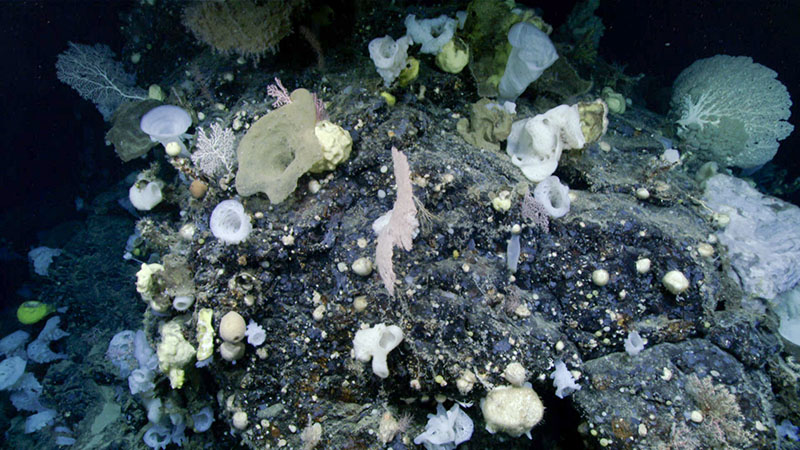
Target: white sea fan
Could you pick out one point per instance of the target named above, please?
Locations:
(216, 151)
(97, 76)
(732, 109)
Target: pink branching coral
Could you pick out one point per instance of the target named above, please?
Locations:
(399, 229)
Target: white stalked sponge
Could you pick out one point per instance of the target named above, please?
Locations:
(166, 124)
(375, 343)
(230, 223)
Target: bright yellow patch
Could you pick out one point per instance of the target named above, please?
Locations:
(32, 312)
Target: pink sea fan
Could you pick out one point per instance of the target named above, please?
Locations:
(280, 94)
(400, 225)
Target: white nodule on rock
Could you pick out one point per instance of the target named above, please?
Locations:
(675, 282)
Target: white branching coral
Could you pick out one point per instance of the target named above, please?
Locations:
(702, 112)
(216, 151)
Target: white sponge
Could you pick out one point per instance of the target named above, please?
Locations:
(375, 343)
(389, 56)
(446, 429)
(563, 380)
(514, 410)
(553, 196)
(433, 34)
(535, 144)
(144, 195)
(531, 53)
(230, 223)
(11, 370)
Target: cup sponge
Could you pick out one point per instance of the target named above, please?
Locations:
(230, 223)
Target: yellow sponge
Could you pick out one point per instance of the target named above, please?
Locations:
(336, 145)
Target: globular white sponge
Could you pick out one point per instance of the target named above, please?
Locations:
(157, 436)
(141, 380)
(514, 410)
(203, 419)
(120, 352)
(634, 343)
(375, 343)
(256, 335)
(230, 223)
(553, 196)
(535, 144)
